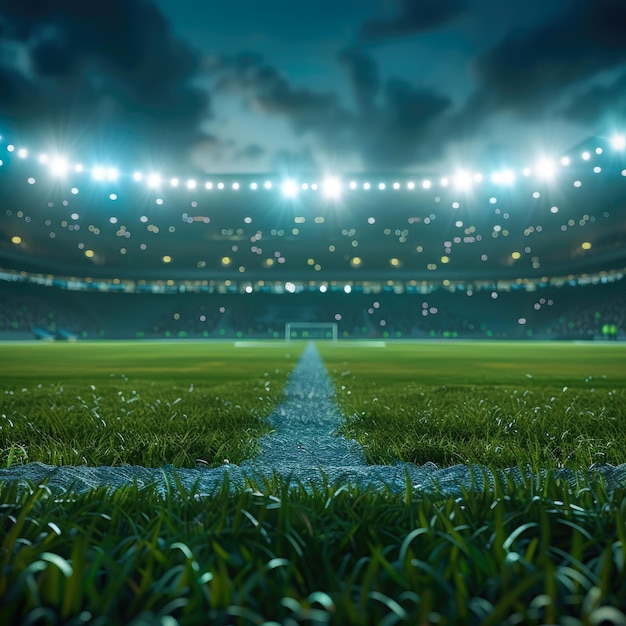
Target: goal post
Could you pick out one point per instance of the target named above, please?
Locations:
(311, 330)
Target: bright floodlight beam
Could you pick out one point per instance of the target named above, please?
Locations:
(289, 188)
(462, 180)
(154, 180)
(332, 187)
(59, 167)
(98, 173)
(503, 177)
(545, 169)
(618, 142)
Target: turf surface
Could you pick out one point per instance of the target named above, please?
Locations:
(150, 404)
(547, 405)
(536, 552)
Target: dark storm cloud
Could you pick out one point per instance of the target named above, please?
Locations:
(413, 17)
(110, 71)
(526, 72)
(407, 129)
(363, 73)
(600, 105)
(266, 90)
(270, 92)
(397, 132)
(251, 152)
(294, 163)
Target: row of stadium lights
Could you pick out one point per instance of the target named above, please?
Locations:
(331, 186)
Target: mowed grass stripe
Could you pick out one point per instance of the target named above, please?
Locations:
(482, 362)
(141, 403)
(547, 405)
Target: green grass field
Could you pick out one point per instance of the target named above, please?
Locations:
(499, 403)
(540, 552)
(147, 404)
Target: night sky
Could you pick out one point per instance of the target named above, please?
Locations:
(331, 86)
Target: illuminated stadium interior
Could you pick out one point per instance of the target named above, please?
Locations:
(100, 229)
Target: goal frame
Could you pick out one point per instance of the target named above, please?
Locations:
(302, 326)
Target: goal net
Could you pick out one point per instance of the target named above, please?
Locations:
(311, 330)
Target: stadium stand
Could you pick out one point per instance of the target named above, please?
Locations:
(404, 257)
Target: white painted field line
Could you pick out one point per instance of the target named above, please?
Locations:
(303, 447)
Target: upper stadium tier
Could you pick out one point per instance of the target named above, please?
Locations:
(565, 214)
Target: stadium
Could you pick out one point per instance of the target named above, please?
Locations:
(470, 327)
(91, 251)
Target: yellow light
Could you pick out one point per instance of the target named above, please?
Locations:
(445, 259)
(167, 259)
(356, 261)
(516, 255)
(586, 245)
(394, 262)
(89, 254)
(16, 240)
(225, 260)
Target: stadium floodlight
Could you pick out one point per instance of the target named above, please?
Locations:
(253, 186)
(353, 184)
(191, 184)
(267, 184)
(44, 159)
(98, 173)
(112, 174)
(618, 142)
(154, 180)
(462, 180)
(565, 161)
(331, 187)
(426, 184)
(137, 177)
(545, 169)
(58, 166)
(22, 153)
(503, 177)
(174, 182)
(289, 188)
